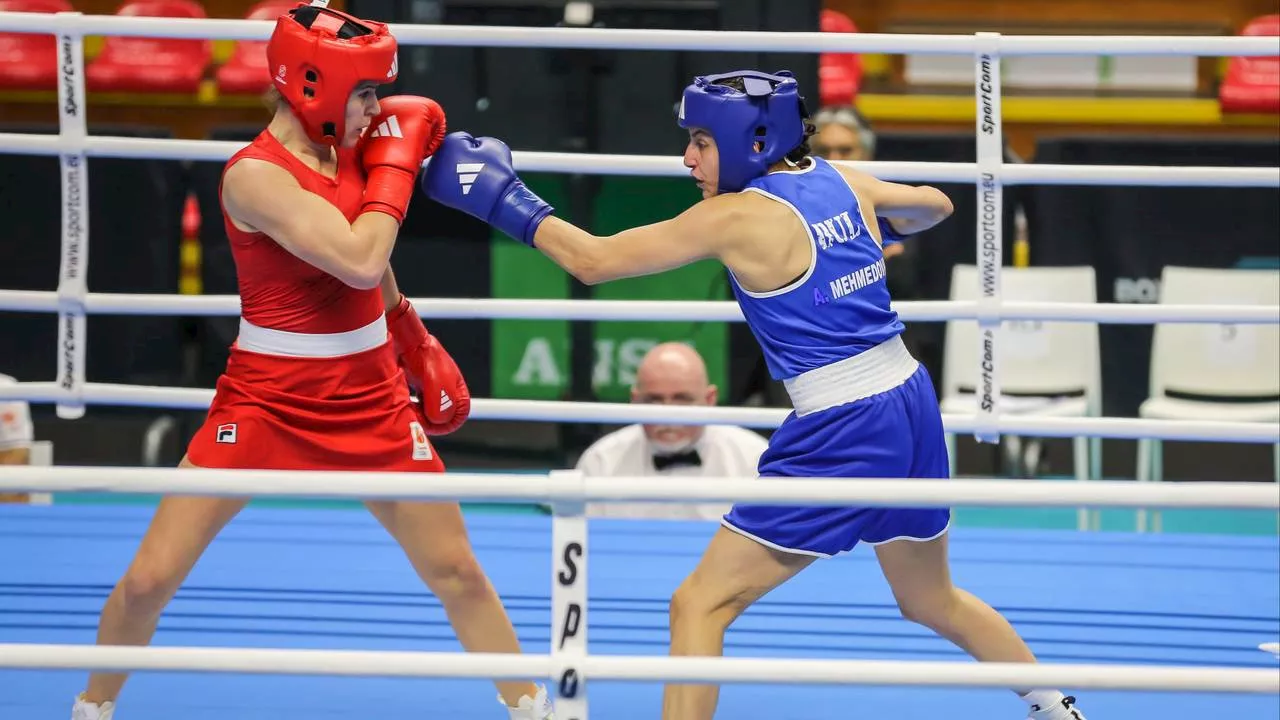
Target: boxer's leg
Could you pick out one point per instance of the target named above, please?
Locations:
(180, 530)
(434, 537)
(920, 577)
(735, 571)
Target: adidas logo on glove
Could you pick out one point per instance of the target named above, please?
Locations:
(388, 128)
(467, 174)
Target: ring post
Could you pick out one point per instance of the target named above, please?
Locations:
(569, 596)
(73, 268)
(990, 239)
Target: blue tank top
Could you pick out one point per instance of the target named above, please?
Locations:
(840, 307)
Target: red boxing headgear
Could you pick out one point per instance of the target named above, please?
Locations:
(318, 56)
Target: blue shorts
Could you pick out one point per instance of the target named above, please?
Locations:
(897, 433)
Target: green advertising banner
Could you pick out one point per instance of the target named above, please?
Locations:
(531, 359)
(627, 202)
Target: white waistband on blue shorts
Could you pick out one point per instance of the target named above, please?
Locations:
(880, 369)
(291, 344)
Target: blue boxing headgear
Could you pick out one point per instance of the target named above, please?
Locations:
(770, 112)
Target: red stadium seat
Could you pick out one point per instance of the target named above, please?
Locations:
(29, 62)
(246, 71)
(839, 74)
(1252, 84)
(151, 65)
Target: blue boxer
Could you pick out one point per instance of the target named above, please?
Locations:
(802, 241)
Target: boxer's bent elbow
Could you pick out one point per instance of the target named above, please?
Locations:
(945, 206)
(362, 278)
(364, 251)
(930, 207)
(940, 205)
(360, 267)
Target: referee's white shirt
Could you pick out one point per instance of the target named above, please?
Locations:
(725, 451)
(15, 421)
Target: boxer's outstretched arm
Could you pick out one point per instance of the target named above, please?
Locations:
(266, 198)
(703, 231)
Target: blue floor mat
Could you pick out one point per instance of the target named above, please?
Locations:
(333, 579)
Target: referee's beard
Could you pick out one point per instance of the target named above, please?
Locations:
(672, 439)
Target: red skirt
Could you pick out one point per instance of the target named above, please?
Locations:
(298, 413)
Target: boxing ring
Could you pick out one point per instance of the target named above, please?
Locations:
(314, 613)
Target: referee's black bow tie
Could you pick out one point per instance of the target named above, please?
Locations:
(689, 458)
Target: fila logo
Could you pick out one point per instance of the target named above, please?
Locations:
(395, 67)
(388, 128)
(226, 434)
(467, 174)
(446, 402)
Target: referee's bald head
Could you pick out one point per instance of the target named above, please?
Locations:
(672, 361)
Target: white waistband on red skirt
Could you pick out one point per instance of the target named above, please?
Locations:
(291, 344)
(871, 372)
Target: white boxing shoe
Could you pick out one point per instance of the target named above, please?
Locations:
(535, 708)
(85, 710)
(1064, 709)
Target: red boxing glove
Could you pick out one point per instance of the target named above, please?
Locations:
(442, 393)
(406, 131)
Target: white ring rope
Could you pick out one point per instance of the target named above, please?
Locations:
(667, 166)
(662, 310)
(624, 413)
(572, 486)
(725, 670)
(685, 40)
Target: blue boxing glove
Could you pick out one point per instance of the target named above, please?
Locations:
(475, 175)
(888, 235)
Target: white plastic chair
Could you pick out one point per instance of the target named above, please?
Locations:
(1211, 371)
(1047, 369)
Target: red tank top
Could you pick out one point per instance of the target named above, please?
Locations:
(280, 291)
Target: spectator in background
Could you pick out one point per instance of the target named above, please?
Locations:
(16, 437)
(672, 374)
(843, 134)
